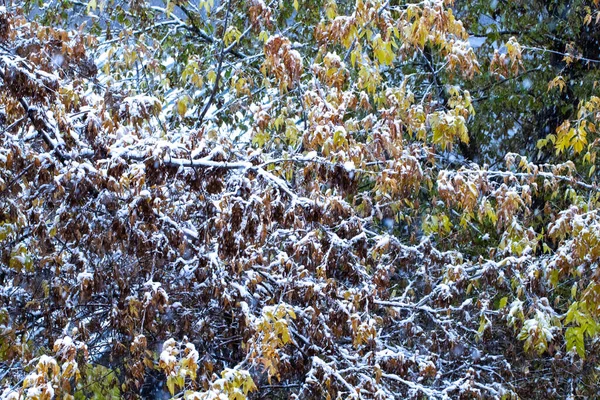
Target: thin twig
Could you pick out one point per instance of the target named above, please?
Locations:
(219, 67)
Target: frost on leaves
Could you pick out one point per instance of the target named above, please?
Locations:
(317, 235)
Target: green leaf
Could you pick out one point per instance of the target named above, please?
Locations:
(574, 337)
(502, 303)
(571, 313)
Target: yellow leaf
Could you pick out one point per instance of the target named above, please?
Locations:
(285, 336)
(182, 106)
(579, 139)
(557, 81)
(212, 76)
(237, 396)
(564, 136)
(232, 35)
(248, 385)
(331, 9)
(171, 385)
(291, 313)
(207, 5)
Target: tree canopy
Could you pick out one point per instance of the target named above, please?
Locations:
(307, 199)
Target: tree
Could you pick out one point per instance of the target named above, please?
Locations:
(554, 66)
(238, 200)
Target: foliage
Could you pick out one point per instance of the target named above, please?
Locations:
(241, 199)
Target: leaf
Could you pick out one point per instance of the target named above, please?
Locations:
(572, 313)
(261, 138)
(291, 313)
(211, 76)
(502, 303)
(182, 106)
(237, 395)
(353, 55)
(554, 274)
(207, 5)
(264, 36)
(579, 139)
(171, 384)
(484, 323)
(232, 35)
(557, 82)
(285, 336)
(564, 136)
(574, 337)
(248, 385)
(331, 9)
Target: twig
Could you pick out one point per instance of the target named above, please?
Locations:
(219, 67)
